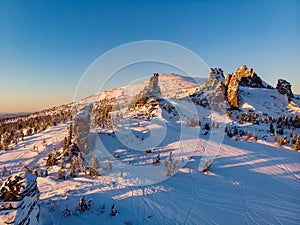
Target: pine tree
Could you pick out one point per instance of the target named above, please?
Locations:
(73, 167)
(255, 136)
(297, 145)
(237, 138)
(51, 160)
(94, 166)
(114, 211)
(80, 162)
(169, 164)
(248, 136)
(192, 122)
(84, 205)
(63, 164)
(65, 144)
(70, 134)
(175, 167)
(170, 108)
(206, 166)
(61, 174)
(280, 141)
(4, 171)
(272, 128)
(275, 136)
(67, 212)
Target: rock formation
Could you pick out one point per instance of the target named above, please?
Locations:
(216, 74)
(243, 76)
(248, 78)
(232, 85)
(19, 200)
(153, 88)
(285, 88)
(213, 96)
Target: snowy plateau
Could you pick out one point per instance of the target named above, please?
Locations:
(170, 150)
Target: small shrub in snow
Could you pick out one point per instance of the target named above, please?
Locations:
(61, 174)
(114, 211)
(248, 136)
(280, 141)
(51, 160)
(4, 171)
(169, 168)
(206, 166)
(255, 136)
(275, 136)
(67, 212)
(84, 205)
(102, 208)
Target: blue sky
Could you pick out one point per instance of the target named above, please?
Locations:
(45, 46)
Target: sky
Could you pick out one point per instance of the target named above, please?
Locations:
(46, 46)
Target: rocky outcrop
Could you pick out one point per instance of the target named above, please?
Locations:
(232, 90)
(152, 89)
(19, 200)
(285, 88)
(248, 78)
(216, 74)
(243, 76)
(212, 97)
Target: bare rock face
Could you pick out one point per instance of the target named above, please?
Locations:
(248, 78)
(285, 88)
(232, 84)
(243, 76)
(19, 200)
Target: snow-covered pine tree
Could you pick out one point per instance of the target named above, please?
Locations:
(80, 162)
(73, 167)
(67, 212)
(94, 166)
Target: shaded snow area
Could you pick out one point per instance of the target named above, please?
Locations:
(249, 181)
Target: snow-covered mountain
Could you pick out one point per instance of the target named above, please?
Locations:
(170, 150)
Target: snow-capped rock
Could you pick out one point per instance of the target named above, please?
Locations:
(152, 89)
(19, 200)
(216, 74)
(285, 88)
(212, 97)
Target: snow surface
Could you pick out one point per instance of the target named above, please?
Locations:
(249, 182)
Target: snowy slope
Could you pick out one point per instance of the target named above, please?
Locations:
(268, 101)
(249, 182)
